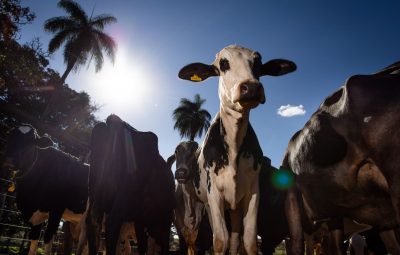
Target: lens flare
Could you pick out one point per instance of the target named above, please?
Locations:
(282, 179)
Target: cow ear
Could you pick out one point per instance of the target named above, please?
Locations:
(197, 72)
(171, 160)
(277, 67)
(44, 142)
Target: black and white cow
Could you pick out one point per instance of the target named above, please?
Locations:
(346, 160)
(50, 184)
(129, 182)
(230, 156)
(191, 219)
(271, 224)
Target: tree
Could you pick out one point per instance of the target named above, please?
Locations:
(13, 15)
(83, 36)
(25, 90)
(190, 119)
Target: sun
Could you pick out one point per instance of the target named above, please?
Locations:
(122, 86)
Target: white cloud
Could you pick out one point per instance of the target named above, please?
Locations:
(291, 110)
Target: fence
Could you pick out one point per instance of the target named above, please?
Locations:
(14, 233)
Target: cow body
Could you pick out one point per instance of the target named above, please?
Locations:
(191, 219)
(129, 182)
(344, 158)
(50, 185)
(230, 157)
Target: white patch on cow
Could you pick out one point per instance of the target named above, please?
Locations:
(291, 110)
(367, 119)
(38, 217)
(24, 129)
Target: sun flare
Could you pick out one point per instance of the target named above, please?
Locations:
(122, 86)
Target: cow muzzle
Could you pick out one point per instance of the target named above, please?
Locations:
(182, 175)
(250, 94)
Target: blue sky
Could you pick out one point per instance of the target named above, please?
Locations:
(328, 40)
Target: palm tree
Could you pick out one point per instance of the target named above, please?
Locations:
(83, 36)
(190, 119)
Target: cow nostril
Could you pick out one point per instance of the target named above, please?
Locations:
(244, 89)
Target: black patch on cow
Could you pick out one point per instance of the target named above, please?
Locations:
(196, 175)
(215, 147)
(224, 65)
(327, 147)
(256, 65)
(251, 147)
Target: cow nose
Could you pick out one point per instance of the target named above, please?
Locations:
(252, 91)
(181, 175)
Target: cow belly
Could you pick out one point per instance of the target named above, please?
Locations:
(71, 216)
(38, 217)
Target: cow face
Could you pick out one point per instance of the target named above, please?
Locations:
(186, 161)
(20, 140)
(239, 70)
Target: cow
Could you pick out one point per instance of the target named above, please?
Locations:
(50, 184)
(230, 157)
(191, 219)
(345, 160)
(128, 182)
(271, 224)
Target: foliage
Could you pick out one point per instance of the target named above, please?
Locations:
(12, 15)
(190, 119)
(83, 36)
(26, 83)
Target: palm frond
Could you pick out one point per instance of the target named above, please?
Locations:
(74, 10)
(57, 24)
(107, 44)
(97, 55)
(190, 119)
(101, 20)
(59, 39)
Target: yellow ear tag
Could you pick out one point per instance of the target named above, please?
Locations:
(195, 77)
(11, 187)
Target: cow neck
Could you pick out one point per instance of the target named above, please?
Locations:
(26, 164)
(235, 126)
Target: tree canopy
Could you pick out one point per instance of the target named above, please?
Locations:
(82, 36)
(190, 119)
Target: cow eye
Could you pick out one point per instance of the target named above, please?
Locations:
(224, 65)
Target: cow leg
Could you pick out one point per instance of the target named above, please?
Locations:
(159, 238)
(221, 236)
(113, 227)
(336, 233)
(67, 238)
(250, 221)
(115, 220)
(236, 225)
(82, 235)
(34, 236)
(51, 230)
(93, 224)
(389, 239)
(141, 238)
(293, 216)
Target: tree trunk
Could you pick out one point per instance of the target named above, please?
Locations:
(70, 66)
(57, 90)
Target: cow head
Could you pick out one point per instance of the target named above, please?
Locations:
(22, 142)
(239, 70)
(186, 161)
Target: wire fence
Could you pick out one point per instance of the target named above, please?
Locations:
(14, 233)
